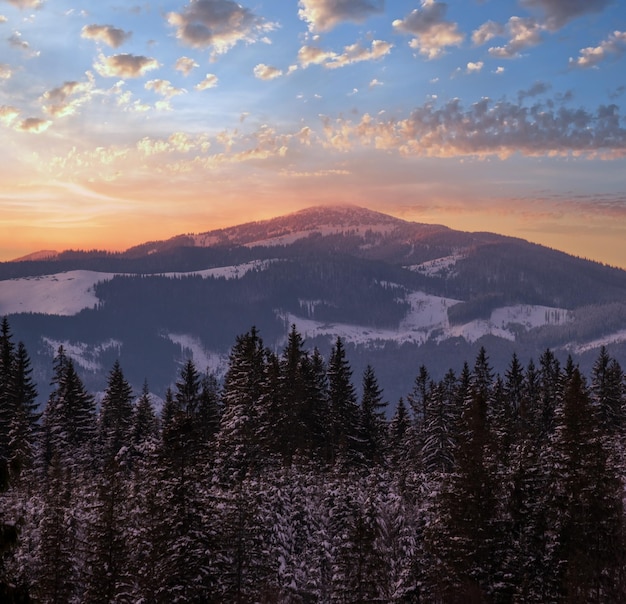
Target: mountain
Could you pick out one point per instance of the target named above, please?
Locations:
(399, 293)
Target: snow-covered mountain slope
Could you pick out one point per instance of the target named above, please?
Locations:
(427, 319)
(70, 292)
(398, 292)
(59, 294)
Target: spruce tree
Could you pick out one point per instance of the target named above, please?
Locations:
(144, 424)
(116, 413)
(607, 390)
(372, 423)
(344, 411)
(7, 403)
(24, 424)
(465, 540)
(586, 507)
(437, 452)
(237, 441)
(69, 419)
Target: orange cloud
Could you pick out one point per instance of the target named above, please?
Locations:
(125, 66)
(113, 36)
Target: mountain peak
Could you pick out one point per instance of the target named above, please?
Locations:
(320, 219)
(344, 214)
(40, 255)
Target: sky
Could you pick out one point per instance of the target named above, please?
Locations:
(127, 122)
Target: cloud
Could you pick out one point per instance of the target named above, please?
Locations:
(5, 71)
(15, 40)
(164, 88)
(265, 72)
(8, 114)
(559, 12)
(354, 53)
(108, 34)
(313, 55)
(209, 82)
(488, 128)
(34, 125)
(536, 89)
(26, 3)
(523, 33)
(324, 15)
(486, 32)
(3, 19)
(615, 44)
(432, 33)
(474, 67)
(66, 99)
(125, 66)
(185, 65)
(375, 83)
(217, 24)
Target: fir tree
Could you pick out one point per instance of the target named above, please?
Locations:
(69, 420)
(607, 390)
(344, 411)
(24, 424)
(587, 508)
(237, 440)
(437, 452)
(7, 403)
(372, 423)
(116, 413)
(144, 424)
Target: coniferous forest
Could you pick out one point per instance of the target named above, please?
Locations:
(289, 481)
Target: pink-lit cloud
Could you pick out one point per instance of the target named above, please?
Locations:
(66, 99)
(324, 15)
(354, 53)
(164, 88)
(218, 24)
(266, 72)
(210, 81)
(185, 65)
(559, 12)
(8, 114)
(523, 32)
(487, 128)
(125, 65)
(431, 32)
(22, 4)
(34, 125)
(592, 56)
(113, 36)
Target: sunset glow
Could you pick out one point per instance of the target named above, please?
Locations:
(123, 123)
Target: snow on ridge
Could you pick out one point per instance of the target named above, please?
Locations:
(235, 271)
(614, 338)
(70, 292)
(84, 355)
(437, 267)
(428, 319)
(293, 236)
(204, 360)
(60, 294)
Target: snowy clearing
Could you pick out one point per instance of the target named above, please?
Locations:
(70, 292)
(428, 319)
(84, 355)
(61, 294)
(615, 338)
(438, 267)
(204, 360)
(289, 238)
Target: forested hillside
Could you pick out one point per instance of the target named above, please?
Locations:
(280, 484)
